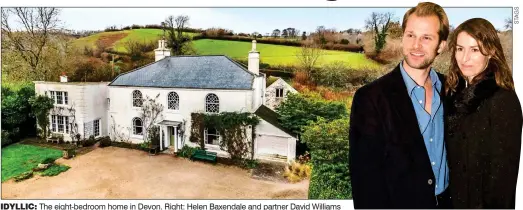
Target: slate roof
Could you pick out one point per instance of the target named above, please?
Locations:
(271, 117)
(201, 72)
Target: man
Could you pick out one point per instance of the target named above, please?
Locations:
(397, 150)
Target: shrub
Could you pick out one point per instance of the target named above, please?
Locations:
(344, 41)
(338, 75)
(127, 145)
(48, 160)
(6, 139)
(105, 141)
(186, 151)
(250, 164)
(329, 145)
(23, 176)
(55, 170)
(296, 172)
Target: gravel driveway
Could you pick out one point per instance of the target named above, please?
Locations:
(118, 173)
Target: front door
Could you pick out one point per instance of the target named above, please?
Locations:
(171, 135)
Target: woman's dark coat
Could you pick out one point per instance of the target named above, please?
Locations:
(483, 131)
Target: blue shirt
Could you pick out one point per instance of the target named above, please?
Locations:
(431, 126)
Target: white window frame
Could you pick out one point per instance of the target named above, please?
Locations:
(97, 128)
(175, 98)
(208, 103)
(134, 126)
(206, 134)
(59, 120)
(280, 89)
(136, 99)
(64, 95)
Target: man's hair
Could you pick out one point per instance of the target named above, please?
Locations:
(425, 9)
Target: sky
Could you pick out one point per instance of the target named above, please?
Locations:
(262, 20)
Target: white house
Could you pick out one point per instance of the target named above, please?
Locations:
(184, 85)
(80, 107)
(276, 93)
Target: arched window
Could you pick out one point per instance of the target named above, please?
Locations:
(137, 98)
(137, 126)
(212, 103)
(173, 101)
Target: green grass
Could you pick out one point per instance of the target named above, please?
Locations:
(278, 54)
(55, 170)
(90, 41)
(20, 158)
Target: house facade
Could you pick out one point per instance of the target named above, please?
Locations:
(276, 93)
(79, 107)
(184, 85)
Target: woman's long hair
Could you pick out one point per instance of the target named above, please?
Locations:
(489, 45)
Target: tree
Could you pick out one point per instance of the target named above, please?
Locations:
(308, 56)
(150, 111)
(259, 36)
(176, 39)
(328, 142)
(41, 106)
(276, 33)
(304, 36)
(30, 41)
(508, 23)
(379, 24)
(285, 33)
(298, 111)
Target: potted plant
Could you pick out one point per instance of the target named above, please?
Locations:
(69, 151)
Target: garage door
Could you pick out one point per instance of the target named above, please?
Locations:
(270, 145)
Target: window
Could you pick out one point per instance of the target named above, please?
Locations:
(212, 103)
(137, 98)
(137, 126)
(60, 124)
(96, 125)
(173, 101)
(60, 97)
(212, 136)
(279, 92)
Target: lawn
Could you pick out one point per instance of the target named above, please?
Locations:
(20, 158)
(278, 54)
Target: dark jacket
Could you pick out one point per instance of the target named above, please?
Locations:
(389, 163)
(483, 145)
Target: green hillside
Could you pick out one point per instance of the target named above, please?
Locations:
(270, 54)
(278, 54)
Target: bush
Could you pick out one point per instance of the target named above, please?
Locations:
(48, 160)
(344, 41)
(186, 151)
(250, 164)
(23, 176)
(338, 75)
(329, 145)
(105, 141)
(125, 145)
(296, 172)
(6, 139)
(55, 170)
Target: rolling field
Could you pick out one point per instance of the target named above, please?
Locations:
(270, 54)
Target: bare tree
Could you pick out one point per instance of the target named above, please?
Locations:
(30, 41)
(308, 56)
(177, 41)
(508, 23)
(150, 112)
(379, 24)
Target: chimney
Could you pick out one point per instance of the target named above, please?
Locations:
(63, 78)
(162, 51)
(254, 59)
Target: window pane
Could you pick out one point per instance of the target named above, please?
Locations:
(96, 127)
(66, 124)
(59, 99)
(66, 98)
(60, 124)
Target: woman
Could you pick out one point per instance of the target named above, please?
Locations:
(484, 120)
